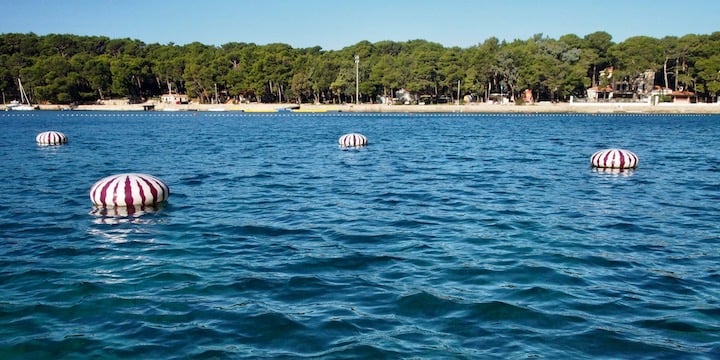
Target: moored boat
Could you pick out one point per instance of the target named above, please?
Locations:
(24, 103)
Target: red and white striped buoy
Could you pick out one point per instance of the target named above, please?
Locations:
(614, 159)
(129, 189)
(352, 140)
(51, 138)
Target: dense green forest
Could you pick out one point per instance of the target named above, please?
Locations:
(65, 69)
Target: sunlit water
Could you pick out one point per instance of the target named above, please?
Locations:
(449, 236)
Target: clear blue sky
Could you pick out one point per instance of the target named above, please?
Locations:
(336, 24)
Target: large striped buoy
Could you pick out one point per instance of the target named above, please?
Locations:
(352, 140)
(129, 189)
(51, 138)
(614, 159)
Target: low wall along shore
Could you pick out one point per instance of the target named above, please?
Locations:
(713, 108)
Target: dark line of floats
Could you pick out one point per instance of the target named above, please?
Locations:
(337, 114)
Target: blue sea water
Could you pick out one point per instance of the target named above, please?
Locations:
(448, 236)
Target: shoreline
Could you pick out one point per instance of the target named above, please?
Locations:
(588, 108)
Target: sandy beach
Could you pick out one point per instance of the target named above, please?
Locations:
(670, 108)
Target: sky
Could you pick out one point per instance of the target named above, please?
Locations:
(336, 24)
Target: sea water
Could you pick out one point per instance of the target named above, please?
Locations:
(448, 236)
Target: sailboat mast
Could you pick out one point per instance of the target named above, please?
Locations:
(23, 95)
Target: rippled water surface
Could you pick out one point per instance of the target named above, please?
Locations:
(449, 236)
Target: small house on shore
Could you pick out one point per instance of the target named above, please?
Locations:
(683, 97)
(174, 98)
(597, 93)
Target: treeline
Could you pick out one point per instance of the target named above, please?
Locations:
(64, 69)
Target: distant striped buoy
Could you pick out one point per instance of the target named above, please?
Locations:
(129, 189)
(352, 140)
(614, 159)
(51, 138)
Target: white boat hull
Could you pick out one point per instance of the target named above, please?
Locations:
(21, 108)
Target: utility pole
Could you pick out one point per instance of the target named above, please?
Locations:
(458, 92)
(357, 79)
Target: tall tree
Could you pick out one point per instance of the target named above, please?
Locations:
(636, 55)
(597, 45)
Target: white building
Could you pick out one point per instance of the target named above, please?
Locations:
(174, 98)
